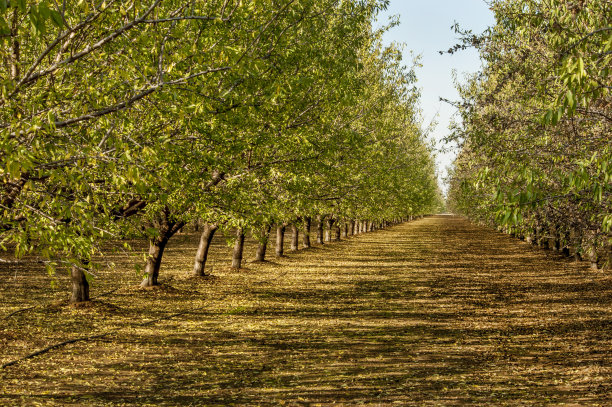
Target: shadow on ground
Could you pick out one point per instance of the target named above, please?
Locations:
(434, 312)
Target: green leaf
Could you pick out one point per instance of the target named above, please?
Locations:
(56, 17)
(571, 100)
(4, 28)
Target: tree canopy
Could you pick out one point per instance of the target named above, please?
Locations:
(137, 117)
(535, 129)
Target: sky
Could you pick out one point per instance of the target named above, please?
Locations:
(425, 29)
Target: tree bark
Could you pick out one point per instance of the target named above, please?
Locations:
(280, 240)
(590, 248)
(202, 253)
(295, 237)
(574, 244)
(156, 252)
(238, 249)
(337, 233)
(538, 236)
(592, 256)
(263, 244)
(80, 286)
(319, 229)
(344, 230)
(166, 228)
(328, 231)
(552, 238)
(306, 233)
(351, 230)
(15, 57)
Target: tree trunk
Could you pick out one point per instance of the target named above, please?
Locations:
(592, 256)
(319, 230)
(574, 244)
(280, 240)
(344, 230)
(238, 249)
(337, 233)
(80, 286)
(538, 236)
(590, 248)
(202, 253)
(328, 231)
(351, 230)
(552, 238)
(166, 228)
(306, 233)
(295, 238)
(156, 252)
(263, 244)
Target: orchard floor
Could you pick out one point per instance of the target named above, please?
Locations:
(437, 312)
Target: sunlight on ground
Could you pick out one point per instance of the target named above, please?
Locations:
(434, 312)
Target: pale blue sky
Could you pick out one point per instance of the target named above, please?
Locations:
(425, 28)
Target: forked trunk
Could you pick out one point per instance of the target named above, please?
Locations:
(166, 228)
(263, 244)
(306, 233)
(280, 240)
(238, 249)
(202, 253)
(156, 252)
(295, 238)
(80, 286)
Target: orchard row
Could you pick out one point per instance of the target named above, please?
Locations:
(536, 132)
(123, 119)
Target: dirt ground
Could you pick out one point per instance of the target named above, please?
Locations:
(437, 312)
